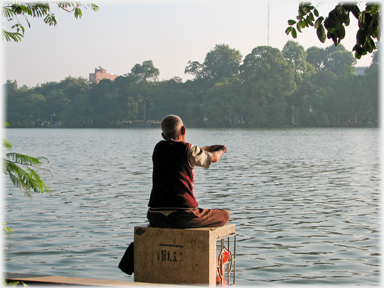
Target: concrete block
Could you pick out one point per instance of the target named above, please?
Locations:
(176, 256)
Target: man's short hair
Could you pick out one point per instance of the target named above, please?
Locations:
(171, 126)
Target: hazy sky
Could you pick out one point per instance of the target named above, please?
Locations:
(168, 32)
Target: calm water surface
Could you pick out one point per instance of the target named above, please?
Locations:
(305, 202)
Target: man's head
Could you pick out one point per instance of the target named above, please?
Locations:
(173, 128)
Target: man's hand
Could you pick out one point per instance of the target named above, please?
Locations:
(216, 150)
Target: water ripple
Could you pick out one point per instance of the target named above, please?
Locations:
(305, 202)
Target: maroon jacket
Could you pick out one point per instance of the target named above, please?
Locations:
(173, 177)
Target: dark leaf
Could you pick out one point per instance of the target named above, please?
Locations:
(288, 30)
(291, 22)
(334, 39)
(370, 44)
(310, 17)
(294, 33)
(356, 11)
(318, 22)
(360, 37)
(340, 33)
(298, 27)
(321, 33)
(347, 20)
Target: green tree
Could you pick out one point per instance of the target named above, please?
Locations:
(144, 74)
(74, 87)
(102, 97)
(220, 64)
(14, 103)
(338, 18)
(372, 92)
(316, 57)
(196, 89)
(341, 62)
(221, 104)
(25, 107)
(11, 11)
(334, 58)
(79, 112)
(57, 102)
(172, 97)
(268, 79)
(296, 56)
(126, 97)
(35, 106)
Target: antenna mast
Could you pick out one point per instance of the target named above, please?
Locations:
(268, 26)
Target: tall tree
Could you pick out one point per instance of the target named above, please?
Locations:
(341, 62)
(143, 74)
(296, 56)
(172, 97)
(316, 57)
(268, 79)
(102, 96)
(222, 104)
(220, 64)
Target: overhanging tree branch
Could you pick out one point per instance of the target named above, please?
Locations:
(36, 10)
(333, 26)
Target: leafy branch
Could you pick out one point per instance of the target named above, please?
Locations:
(11, 11)
(18, 168)
(335, 23)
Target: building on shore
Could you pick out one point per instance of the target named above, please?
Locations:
(100, 74)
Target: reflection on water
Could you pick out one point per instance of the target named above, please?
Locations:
(305, 202)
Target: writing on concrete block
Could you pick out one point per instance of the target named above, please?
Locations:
(170, 253)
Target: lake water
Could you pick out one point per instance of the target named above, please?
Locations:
(306, 202)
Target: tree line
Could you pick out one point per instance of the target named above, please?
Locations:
(316, 87)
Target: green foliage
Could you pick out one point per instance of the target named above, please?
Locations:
(268, 79)
(220, 64)
(18, 168)
(337, 20)
(146, 71)
(36, 10)
(221, 104)
(333, 58)
(270, 88)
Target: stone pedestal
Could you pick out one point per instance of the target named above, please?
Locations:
(175, 256)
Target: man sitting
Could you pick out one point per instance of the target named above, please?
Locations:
(172, 203)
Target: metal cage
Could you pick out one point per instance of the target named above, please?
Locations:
(226, 260)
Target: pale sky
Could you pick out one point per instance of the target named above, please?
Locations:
(168, 32)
